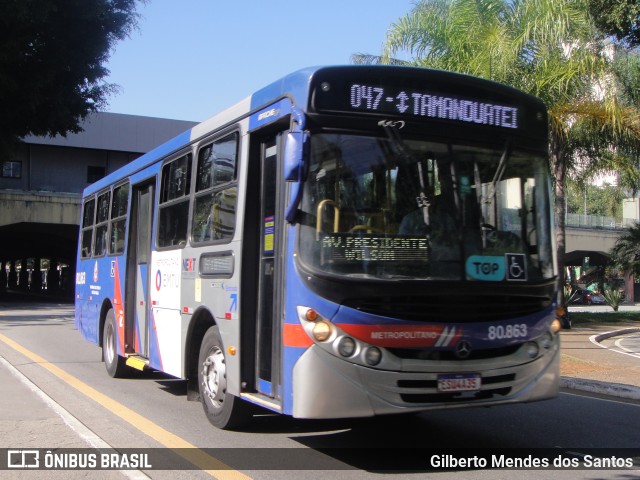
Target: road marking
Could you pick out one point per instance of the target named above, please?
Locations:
(634, 352)
(589, 394)
(181, 447)
(78, 427)
(594, 339)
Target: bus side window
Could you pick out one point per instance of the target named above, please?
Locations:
(214, 213)
(88, 214)
(102, 217)
(119, 206)
(174, 202)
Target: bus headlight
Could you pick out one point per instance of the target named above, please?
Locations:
(372, 355)
(321, 331)
(334, 340)
(346, 346)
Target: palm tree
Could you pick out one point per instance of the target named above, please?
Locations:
(544, 47)
(626, 252)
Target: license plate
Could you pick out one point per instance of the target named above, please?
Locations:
(468, 382)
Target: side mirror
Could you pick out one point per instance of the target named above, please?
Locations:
(294, 147)
(294, 155)
(294, 158)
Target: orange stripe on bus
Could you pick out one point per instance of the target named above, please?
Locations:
(295, 336)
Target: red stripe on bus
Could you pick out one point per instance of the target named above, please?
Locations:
(405, 335)
(295, 336)
(119, 310)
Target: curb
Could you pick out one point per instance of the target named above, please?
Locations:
(614, 333)
(604, 388)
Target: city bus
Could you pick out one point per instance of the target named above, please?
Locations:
(348, 241)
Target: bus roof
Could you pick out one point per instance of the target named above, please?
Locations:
(294, 86)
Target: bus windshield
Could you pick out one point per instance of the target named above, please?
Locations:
(387, 208)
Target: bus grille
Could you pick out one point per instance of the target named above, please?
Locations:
(449, 355)
(453, 397)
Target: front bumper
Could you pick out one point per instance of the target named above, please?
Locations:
(326, 386)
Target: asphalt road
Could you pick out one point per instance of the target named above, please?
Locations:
(150, 410)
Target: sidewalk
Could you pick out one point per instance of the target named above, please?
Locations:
(30, 421)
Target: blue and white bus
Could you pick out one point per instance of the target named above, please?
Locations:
(348, 241)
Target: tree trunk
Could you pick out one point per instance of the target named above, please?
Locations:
(559, 167)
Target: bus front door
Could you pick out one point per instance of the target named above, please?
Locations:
(270, 276)
(138, 259)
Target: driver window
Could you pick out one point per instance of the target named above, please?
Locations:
(214, 213)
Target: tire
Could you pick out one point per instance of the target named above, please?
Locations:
(114, 363)
(223, 410)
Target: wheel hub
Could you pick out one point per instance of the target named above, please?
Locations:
(109, 344)
(214, 377)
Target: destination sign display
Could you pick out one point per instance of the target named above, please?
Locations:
(402, 100)
(427, 104)
(344, 248)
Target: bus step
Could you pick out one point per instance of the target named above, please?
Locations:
(139, 363)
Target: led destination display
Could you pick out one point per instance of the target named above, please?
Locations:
(430, 96)
(427, 104)
(342, 248)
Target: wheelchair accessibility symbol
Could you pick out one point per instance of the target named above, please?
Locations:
(516, 267)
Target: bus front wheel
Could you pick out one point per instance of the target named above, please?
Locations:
(114, 363)
(223, 410)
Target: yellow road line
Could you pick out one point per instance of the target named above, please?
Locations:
(183, 448)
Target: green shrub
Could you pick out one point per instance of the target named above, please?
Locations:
(613, 297)
(570, 294)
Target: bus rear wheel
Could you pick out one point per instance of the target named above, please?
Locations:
(114, 363)
(223, 410)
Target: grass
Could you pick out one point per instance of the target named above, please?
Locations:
(608, 317)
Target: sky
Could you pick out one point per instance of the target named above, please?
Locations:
(190, 59)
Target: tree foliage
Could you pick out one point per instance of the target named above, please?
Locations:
(626, 252)
(52, 62)
(619, 19)
(585, 198)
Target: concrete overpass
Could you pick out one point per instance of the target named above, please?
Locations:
(594, 237)
(593, 234)
(39, 226)
(591, 239)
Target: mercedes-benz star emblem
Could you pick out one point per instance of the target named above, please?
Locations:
(463, 349)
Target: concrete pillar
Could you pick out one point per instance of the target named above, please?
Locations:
(24, 275)
(3, 275)
(13, 274)
(36, 276)
(53, 277)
